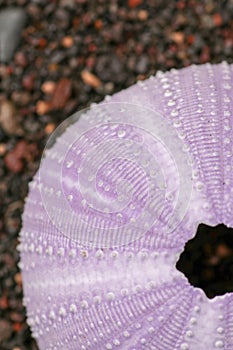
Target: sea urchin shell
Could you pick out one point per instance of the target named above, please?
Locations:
(116, 198)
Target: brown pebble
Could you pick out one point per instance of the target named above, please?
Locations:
(42, 43)
(5, 330)
(61, 94)
(90, 62)
(73, 62)
(43, 107)
(49, 128)
(142, 15)
(53, 67)
(16, 317)
(109, 87)
(48, 87)
(25, 150)
(3, 302)
(134, 3)
(20, 59)
(3, 71)
(67, 41)
(90, 79)
(28, 82)
(20, 148)
(13, 163)
(217, 18)
(21, 2)
(17, 326)
(21, 98)
(76, 22)
(7, 257)
(38, 63)
(18, 278)
(177, 37)
(32, 152)
(99, 24)
(14, 160)
(2, 149)
(205, 54)
(9, 118)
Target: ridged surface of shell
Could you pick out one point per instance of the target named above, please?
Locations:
(108, 214)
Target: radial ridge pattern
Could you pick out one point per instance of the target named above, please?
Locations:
(109, 212)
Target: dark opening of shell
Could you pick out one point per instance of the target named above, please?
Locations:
(207, 260)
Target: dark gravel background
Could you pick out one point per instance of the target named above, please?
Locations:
(72, 53)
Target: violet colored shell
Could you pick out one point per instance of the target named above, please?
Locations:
(111, 208)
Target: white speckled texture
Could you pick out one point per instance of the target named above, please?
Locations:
(108, 214)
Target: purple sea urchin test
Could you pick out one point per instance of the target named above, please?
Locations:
(118, 194)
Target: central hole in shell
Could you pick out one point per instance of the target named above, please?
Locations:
(207, 260)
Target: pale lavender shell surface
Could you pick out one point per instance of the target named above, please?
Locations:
(108, 214)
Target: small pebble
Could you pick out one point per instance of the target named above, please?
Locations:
(5, 330)
(90, 79)
(20, 59)
(3, 302)
(9, 118)
(67, 3)
(142, 64)
(134, 3)
(14, 159)
(110, 68)
(43, 107)
(18, 278)
(142, 15)
(67, 41)
(99, 24)
(49, 128)
(28, 82)
(48, 87)
(217, 18)
(21, 98)
(177, 37)
(61, 93)
(12, 21)
(2, 149)
(13, 162)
